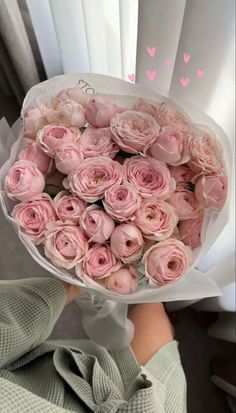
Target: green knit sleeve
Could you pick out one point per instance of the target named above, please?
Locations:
(29, 309)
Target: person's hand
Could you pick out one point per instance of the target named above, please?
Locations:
(72, 291)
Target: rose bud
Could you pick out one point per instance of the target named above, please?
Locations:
(99, 262)
(190, 232)
(181, 173)
(66, 113)
(169, 116)
(34, 120)
(23, 181)
(68, 207)
(33, 153)
(127, 242)
(185, 203)
(97, 225)
(67, 157)
(142, 105)
(167, 261)
(151, 178)
(54, 183)
(134, 131)
(123, 281)
(99, 111)
(34, 215)
(211, 191)
(73, 93)
(65, 244)
(51, 137)
(121, 202)
(97, 142)
(156, 219)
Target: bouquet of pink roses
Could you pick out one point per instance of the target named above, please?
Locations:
(117, 195)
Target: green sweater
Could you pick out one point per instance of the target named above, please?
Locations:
(38, 376)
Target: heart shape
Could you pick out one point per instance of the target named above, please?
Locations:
(167, 62)
(184, 81)
(151, 51)
(200, 73)
(186, 57)
(151, 74)
(131, 77)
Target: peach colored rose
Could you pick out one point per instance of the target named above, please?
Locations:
(33, 153)
(181, 173)
(99, 111)
(121, 201)
(156, 219)
(134, 131)
(97, 142)
(67, 157)
(34, 120)
(68, 207)
(151, 178)
(51, 137)
(66, 113)
(97, 225)
(167, 261)
(142, 105)
(167, 115)
(211, 191)
(23, 181)
(190, 231)
(34, 215)
(123, 281)
(65, 244)
(99, 262)
(127, 242)
(185, 203)
(73, 93)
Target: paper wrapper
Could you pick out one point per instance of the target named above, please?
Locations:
(104, 309)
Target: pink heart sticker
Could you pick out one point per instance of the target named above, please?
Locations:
(200, 73)
(167, 62)
(151, 51)
(151, 74)
(186, 57)
(131, 77)
(184, 81)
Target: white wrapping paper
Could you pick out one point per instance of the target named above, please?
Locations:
(105, 312)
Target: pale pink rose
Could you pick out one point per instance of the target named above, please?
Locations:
(142, 105)
(34, 215)
(23, 181)
(211, 191)
(73, 93)
(169, 146)
(181, 173)
(99, 111)
(127, 242)
(51, 137)
(66, 113)
(99, 262)
(190, 231)
(156, 219)
(97, 142)
(185, 203)
(33, 153)
(34, 120)
(68, 207)
(121, 201)
(151, 178)
(123, 281)
(205, 153)
(167, 115)
(93, 177)
(54, 183)
(167, 261)
(97, 225)
(67, 157)
(65, 244)
(134, 131)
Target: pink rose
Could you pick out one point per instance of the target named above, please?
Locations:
(121, 202)
(33, 153)
(205, 153)
(181, 173)
(51, 137)
(151, 178)
(93, 177)
(34, 215)
(73, 93)
(185, 203)
(99, 262)
(54, 183)
(66, 113)
(169, 146)
(95, 142)
(134, 131)
(23, 181)
(211, 191)
(156, 219)
(142, 105)
(65, 244)
(99, 111)
(170, 116)
(68, 207)
(127, 242)
(34, 120)
(190, 232)
(123, 281)
(96, 224)
(166, 261)
(67, 157)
